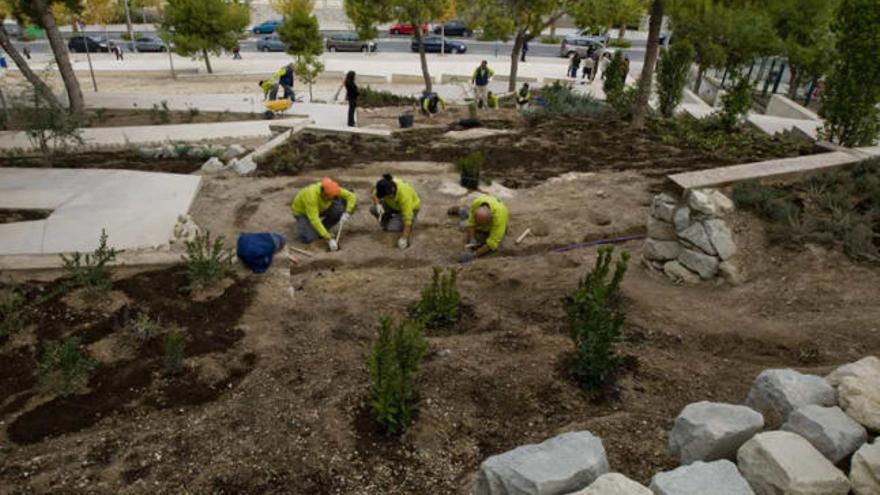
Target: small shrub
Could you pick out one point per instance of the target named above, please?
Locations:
(207, 261)
(173, 350)
(193, 114)
(561, 101)
(393, 363)
(142, 329)
(595, 322)
(371, 98)
(624, 101)
(672, 72)
(92, 271)
(615, 76)
(550, 40)
(441, 303)
(735, 104)
(100, 114)
(11, 320)
(471, 164)
(64, 368)
(472, 112)
(619, 43)
(50, 127)
(160, 114)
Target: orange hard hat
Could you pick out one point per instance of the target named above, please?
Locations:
(330, 187)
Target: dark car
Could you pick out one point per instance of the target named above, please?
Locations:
(454, 28)
(146, 43)
(433, 44)
(79, 43)
(267, 27)
(349, 42)
(271, 43)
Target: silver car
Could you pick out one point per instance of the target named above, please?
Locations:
(349, 42)
(148, 43)
(271, 43)
(582, 45)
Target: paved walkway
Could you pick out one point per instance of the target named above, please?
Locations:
(137, 209)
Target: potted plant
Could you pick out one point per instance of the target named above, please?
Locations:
(472, 120)
(469, 167)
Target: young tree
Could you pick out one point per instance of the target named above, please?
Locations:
(804, 28)
(8, 9)
(301, 32)
(200, 27)
(703, 25)
(672, 71)
(852, 89)
(647, 78)
(602, 15)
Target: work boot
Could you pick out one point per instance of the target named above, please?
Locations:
(453, 211)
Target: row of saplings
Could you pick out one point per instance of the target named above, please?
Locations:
(64, 367)
(594, 318)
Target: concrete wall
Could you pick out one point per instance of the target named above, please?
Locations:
(780, 106)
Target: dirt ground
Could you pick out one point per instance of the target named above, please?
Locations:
(123, 118)
(294, 417)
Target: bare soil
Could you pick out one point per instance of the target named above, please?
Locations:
(13, 215)
(126, 159)
(18, 120)
(280, 404)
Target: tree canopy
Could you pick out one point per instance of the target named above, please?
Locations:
(200, 27)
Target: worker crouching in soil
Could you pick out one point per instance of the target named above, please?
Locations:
(431, 103)
(319, 207)
(486, 227)
(396, 205)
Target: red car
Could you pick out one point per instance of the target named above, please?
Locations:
(406, 28)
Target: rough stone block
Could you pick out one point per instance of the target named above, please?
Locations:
(865, 367)
(860, 398)
(701, 478)
(679, 274)
(681, 218)
(781, 462)
(697, 235)
(701, 202)
(708, 431)
(864, 473)
(213, 164)
(730, 272)
(614, 484)
(706, 266)
(233, 151)
(777, 392)
(660, 230)
(723, 204)
(559, 465)
(661, 250)
(663, 207)
(832, 432)
(721, 238)
(244, 166)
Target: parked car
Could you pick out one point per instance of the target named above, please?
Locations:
(349, 42)
(454, 28)
(147, 43)
(12, 29)
(433, 44)
(580, 44)
(271, 43)
(401, 28)
(95, 44)
(267, 27)
(587, 33)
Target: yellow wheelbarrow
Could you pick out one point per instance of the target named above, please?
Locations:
(276, 108)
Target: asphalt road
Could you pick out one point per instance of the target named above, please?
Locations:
(401, 44)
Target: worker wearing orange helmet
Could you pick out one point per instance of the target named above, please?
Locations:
(320, 206)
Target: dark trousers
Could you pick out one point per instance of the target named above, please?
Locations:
(352, 107)
(288, 91)
(573, 71)
(522, 57)
(329, 217)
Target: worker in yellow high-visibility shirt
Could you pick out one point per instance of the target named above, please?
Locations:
(486, 226)
(319, 207)
(396, 204)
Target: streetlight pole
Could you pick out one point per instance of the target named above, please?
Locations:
(130, 29)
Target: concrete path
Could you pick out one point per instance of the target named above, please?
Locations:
(137, 209)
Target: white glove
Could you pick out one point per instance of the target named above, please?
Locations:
(380, 210)
(333, 245)
(346, 216)
(402, 243)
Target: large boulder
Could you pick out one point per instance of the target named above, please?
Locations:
(244, 166)
(864, 472)
(614, 484)
(661, 250)
(778, 392)
(708, 431)
(701, 478)
(832, 432)
(559, 465)
(720, 237)
(860, 398)
(706, 266)
(865, 367)
(213, 164)
(781, 462)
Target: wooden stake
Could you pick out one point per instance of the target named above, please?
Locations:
(301, 251)
(523, 235)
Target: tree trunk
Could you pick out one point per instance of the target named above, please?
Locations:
(794, 81)
(128, 24)
(71, 84)
(514, 60)
(553, 29)
(417, 33)
(622, 32)
(40, 88)
(647, 78)
(207, 60)
(699, 82)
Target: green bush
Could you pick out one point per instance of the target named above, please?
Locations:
(672, 71)
(550, 40)
(595, 322)
(735, 104)
(173, 350)
(615, 76)
(371, 98)
(142, 329)
(11, 320)
(471, 164)
(92, 271)
(160, 113)
(441, 303)
(51, 128)
(207, 261)
(64, 369)
(619, 43)
(561, 101)
(393, 363)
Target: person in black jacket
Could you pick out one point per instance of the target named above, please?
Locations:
(286, 81)
(351, 96)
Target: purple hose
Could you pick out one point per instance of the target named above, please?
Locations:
(613, 240)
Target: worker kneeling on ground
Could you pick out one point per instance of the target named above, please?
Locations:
(431, 103)
(319, 207)
(396, 204)
(486, 226)
(523, 96)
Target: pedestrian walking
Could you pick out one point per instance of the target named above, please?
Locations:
(26, 51)
(524, 51)
(236, 53)
(481, 78)
(574, 65)
(626, 64)
(351, 96)
(117, 50)
(595, 59)
(589, 65)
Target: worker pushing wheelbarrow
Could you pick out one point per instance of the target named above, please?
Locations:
(282, 79)
(276, 108)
